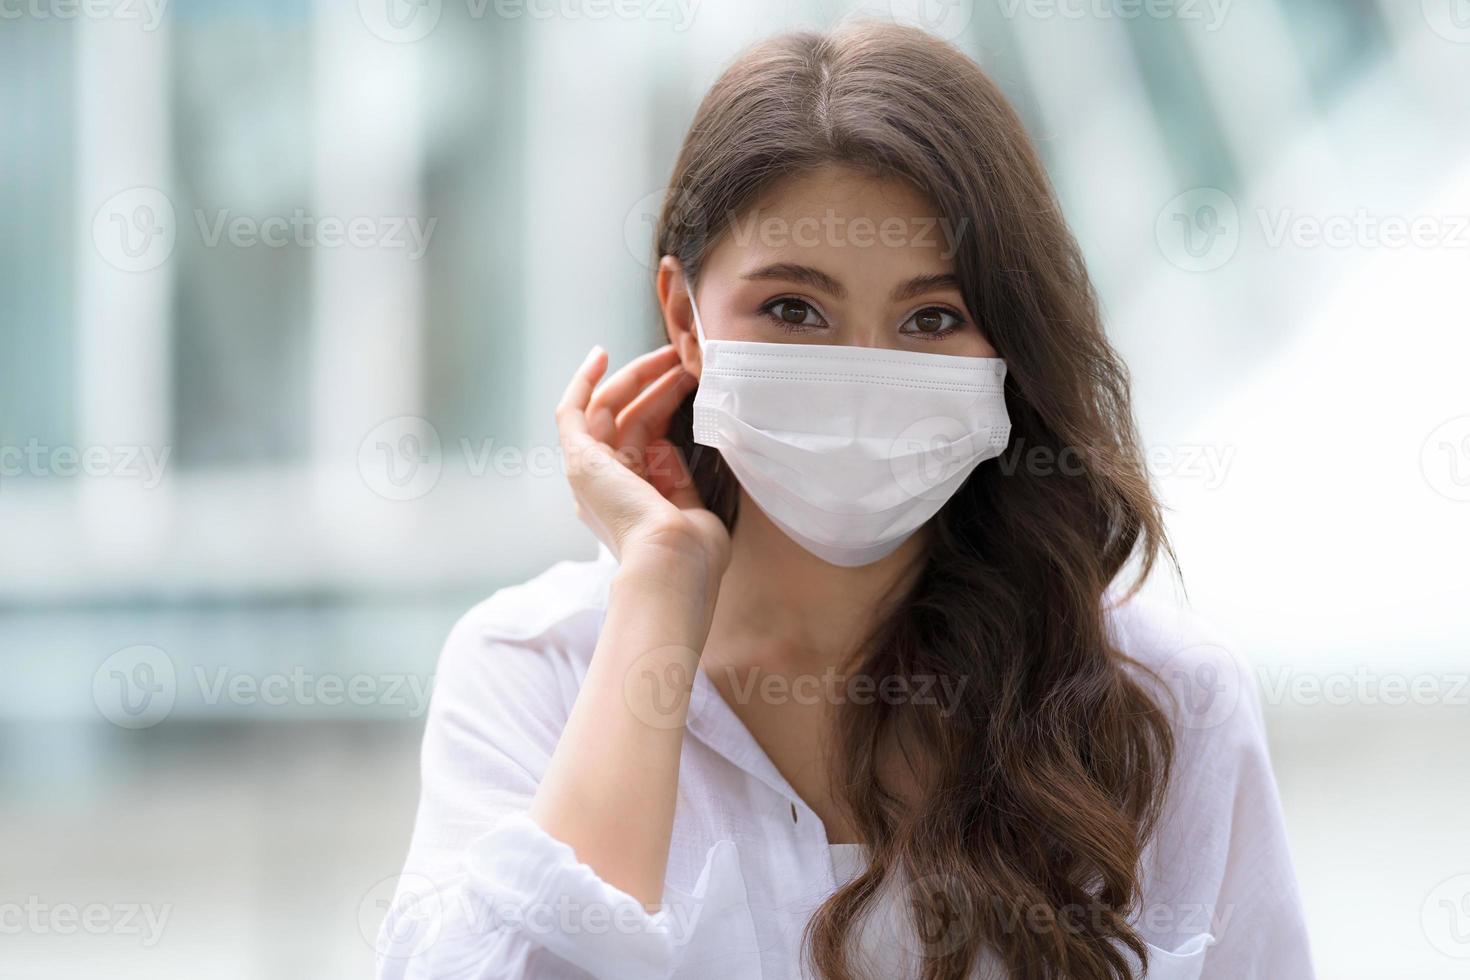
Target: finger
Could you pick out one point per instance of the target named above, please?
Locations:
(571, 410)
(624, 385)
(585, 460)
(648, 417)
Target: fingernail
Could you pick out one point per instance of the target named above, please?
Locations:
(596, 349)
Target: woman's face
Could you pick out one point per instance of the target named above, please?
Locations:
(839, 257)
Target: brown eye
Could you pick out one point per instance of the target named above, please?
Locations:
(929, 321)
(794, 311)
(932, 323)
(793, 315)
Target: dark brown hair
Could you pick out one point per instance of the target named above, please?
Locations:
(1039, 792)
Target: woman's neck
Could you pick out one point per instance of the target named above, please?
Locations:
(780, 605)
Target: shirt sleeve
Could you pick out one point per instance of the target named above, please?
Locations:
(485, 892)
(1218, 879)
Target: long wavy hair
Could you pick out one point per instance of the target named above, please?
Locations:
(1040, 786)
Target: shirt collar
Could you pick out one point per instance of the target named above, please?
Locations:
(714, 722)
(711, 719)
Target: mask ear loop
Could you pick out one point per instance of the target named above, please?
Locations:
(698, 326)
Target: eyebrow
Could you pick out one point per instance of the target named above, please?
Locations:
(817, 279)
(919, 285)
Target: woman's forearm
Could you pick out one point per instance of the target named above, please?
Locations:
(610, 788)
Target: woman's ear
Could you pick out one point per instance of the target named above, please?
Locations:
(678, 313)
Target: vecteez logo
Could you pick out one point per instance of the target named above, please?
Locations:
(1450, 19)
(947, 19)
(135, 230)
(400, 21)
(147, 13)
(1445, 459)
(135, 687)
(1199, 230)
(401, 459)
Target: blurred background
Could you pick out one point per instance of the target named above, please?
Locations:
(288, 290)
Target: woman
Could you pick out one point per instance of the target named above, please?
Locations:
(850, 690)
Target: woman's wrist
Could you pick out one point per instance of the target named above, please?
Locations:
(664, 601)
(683, 570)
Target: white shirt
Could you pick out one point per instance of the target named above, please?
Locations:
(485, 893)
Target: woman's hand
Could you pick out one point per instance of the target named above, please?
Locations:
(610, 789)
(630, 483)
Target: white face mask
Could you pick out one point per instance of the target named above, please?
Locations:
(849, 450)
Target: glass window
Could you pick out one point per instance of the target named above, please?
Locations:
(1188, 127)
(242, 145)
(473, 267)
(37, 235)
(1336, 40)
